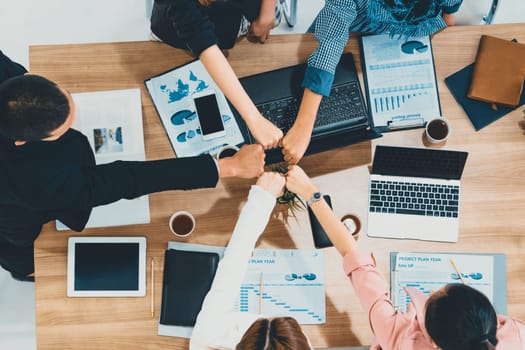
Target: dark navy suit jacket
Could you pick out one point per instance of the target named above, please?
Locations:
(48, 180)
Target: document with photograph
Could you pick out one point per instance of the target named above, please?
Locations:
(400, 81)
(193, 111)
(112, 123)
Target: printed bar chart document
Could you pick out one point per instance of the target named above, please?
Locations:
(428, 272)
(290, 282)
(400, 81)
(112, 123)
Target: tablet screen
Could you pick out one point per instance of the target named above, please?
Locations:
(107, 266)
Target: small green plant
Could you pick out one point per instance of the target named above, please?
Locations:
(290, 201)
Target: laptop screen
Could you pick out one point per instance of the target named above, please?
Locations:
(419, 162)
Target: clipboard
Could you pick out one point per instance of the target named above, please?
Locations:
(400, 81)
(499, 292)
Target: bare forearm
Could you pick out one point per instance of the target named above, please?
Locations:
(221, 72)
(334, 228)
(308, 109)
(267, 9)
(298, 182)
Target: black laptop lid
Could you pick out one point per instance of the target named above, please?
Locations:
(285, 82)
(419, 162)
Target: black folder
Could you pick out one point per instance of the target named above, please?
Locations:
(480, 113)
(188, 276)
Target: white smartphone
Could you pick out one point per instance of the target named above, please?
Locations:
(209, 115)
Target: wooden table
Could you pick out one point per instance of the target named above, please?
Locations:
(492, 208)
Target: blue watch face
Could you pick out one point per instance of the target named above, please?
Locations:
(315, 197)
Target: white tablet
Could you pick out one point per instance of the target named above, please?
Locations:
(106, 267)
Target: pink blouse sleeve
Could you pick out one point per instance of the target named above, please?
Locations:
(371, 288)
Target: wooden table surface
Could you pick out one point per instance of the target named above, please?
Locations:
(492, 209)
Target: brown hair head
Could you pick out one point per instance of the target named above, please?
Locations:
(281, 333)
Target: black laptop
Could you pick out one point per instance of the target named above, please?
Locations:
(343, 118)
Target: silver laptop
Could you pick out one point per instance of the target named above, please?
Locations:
(414, 193)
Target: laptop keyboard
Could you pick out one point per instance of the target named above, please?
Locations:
(343, 109)
(414, 198)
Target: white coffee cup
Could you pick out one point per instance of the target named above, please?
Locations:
(437, 130)
(226, 151)
(182, 223)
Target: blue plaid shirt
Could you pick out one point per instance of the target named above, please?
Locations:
(332, 28)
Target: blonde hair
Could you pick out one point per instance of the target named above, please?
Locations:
(206, 2)
(281, 333)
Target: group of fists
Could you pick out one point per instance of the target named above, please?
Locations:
(248, 162)
(295, 180)
(293, 144)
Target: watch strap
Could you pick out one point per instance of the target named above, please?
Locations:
(317, 196)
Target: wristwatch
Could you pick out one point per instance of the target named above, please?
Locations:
(317, 196)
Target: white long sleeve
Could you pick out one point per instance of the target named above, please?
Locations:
(217, 327)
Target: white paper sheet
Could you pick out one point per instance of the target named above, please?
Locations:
(429, 272)
(171, 93)
(112, 122)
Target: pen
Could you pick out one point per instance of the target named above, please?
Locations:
(453, 263)
(152, 288)
(260, 293)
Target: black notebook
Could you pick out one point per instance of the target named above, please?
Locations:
(187, 279)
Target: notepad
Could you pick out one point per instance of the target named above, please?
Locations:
(429, 272)
(499, 71)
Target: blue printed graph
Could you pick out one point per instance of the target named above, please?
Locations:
(285, 282)
(183, 88)
(276, 301)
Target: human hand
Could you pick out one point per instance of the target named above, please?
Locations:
(261, 26)
(247, 163)
(295, 143)
(272, 182)
(265, 132)
(298, 182)
(449, 18)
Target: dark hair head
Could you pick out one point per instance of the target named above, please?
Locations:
(31, 108)
(281, 333)
(461, 318)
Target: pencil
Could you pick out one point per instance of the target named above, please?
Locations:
(260, 293)
(152, 288)
(453, 263)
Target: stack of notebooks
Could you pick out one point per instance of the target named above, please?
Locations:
(493, 85)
